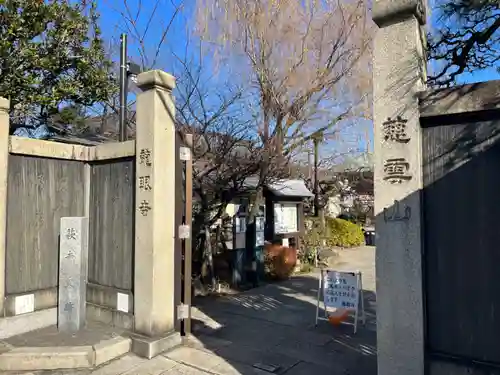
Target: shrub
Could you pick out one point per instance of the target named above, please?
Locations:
(337, 232)
(279, 261)
(344, 233)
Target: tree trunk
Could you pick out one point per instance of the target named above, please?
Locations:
(205, 271)
(204, 250)
(321, 215)
(198, 234)
(208, 259)
(255, 203)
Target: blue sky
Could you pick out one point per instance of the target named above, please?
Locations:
(113, 23)
(435, 21)
(479, 76)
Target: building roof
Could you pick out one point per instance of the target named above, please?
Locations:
(282, 188)
(290, 188)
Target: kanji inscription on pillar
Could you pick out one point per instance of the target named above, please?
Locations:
(145, 183)
(397, 170)
(73, 255)
(145, 157)
(68, 308)
(398, 212)
(71, 233)
(395, 130)
(144, 208)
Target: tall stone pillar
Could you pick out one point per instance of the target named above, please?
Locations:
(399, 68)
(4, 161)
(156, 275)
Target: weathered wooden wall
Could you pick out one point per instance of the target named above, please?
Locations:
(40, 192)
(111, 250)
(461, 257)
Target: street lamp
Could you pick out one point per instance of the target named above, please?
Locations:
(133, 70)
(127, 70)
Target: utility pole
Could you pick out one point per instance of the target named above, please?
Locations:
(309, 165)
(123, 88)
(316, 179)
(318, 137)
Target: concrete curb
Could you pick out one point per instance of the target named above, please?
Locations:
(63, 357)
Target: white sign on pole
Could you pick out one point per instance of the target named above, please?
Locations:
(341, 290)
(185, 153)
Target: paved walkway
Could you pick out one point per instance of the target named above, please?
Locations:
(271, 327)
(274, 325)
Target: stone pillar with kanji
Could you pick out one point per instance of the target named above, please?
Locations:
(73, 269)
(156, 266)
(399, 74)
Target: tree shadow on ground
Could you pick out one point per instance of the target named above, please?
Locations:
(273, 327)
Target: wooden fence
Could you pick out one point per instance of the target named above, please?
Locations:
(47, 181)
(134, 274)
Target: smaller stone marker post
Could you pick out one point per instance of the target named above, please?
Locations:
(73, 264)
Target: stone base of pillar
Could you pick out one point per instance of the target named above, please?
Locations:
(149, 347)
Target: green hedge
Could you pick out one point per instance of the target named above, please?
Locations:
(344, 233)
(338, 232)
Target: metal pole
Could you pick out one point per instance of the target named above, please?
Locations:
(316, 179)
(123, 88)
(309, 165)
(188, 252)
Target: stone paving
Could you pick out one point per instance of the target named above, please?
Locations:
(274, 324)
(269, 330)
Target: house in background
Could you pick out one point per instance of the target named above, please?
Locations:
(352, 182)
(357, 198)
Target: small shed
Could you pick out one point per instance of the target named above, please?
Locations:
(280, 220)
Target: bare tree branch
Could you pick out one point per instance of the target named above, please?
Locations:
(468, 39)
(298, 59)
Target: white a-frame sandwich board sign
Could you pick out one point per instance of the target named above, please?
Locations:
(341, 290)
